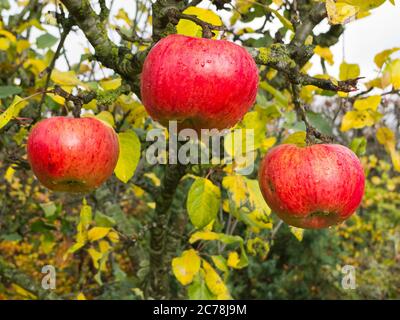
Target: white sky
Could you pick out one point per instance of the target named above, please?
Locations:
(363, 38)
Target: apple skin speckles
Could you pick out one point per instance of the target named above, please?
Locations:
(72, 154)
(201, 83)
(312, 187)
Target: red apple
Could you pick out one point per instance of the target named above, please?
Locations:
(72, 154)
(201, 83)
(312, 187)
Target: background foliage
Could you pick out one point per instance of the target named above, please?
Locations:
(195, 231)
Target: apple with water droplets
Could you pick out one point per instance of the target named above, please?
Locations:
(312, 187)
(200, 83)
(72, 154)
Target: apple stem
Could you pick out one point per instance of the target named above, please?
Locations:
(207, 27)
(312, 134)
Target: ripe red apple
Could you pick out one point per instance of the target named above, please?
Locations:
(201, 83)
(312, 187)
(72, 154)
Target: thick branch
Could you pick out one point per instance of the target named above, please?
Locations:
(159, 267)
(118, 58)
(278, 57)
(311, 15)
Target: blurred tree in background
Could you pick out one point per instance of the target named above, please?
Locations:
(134, 238)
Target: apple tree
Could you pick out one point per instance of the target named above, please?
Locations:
(183, 230)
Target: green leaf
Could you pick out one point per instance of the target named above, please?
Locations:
(46, 41)
(281, 18)
(319, 122)
(203, 202)
(129, 155)
(220, 263)
(7, 91)
(85, 217)
(280, 98)
(104, 221)
(359, 146)
(198, 290)
(297, 138)
(49, 209)
(12, 111)
(11, 237)
(4, 4)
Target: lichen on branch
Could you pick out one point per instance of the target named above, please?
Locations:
(277, 57)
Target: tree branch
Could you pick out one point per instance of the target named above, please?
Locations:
(159, 266)
(118, 58)
(277, 56)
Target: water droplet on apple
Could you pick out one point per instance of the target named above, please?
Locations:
(209, 61)
(202, 64)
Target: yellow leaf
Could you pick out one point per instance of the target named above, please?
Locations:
(8, 35)
(308, 41)
(96, 256)
(370, 103)
(123, 15)
(4, 44)
(203, 235)
(189, 28)
(22, 45)
(233, 260)
(268, 143)
(364, 5)
(186, 266)
(106, 117)
(92, 105)
(359, 119)
(156, 180)
(340, 13)
(129, 155)
(104, 246)
(385, 135)
(395, 155)
(297, 138)
(297, 232)
(31, 23)
(214, 282)
(36, 66)
(9, 174)
(236, 187)
(256, 199)
(13, 110)
(392, 73)
(383, 56)
(324, 53)
(111, 84)
(349, 71)
(23, 292)
(81, 296)
(97, 233)
(113, 236)
(66, 78)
